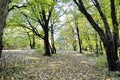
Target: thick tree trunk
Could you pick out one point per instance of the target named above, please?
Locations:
(112, 58)
(115, 26)
(3, 15)
(46, 43)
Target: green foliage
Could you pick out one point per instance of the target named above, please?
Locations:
(39, 5)
(14, 38)
(101, 61)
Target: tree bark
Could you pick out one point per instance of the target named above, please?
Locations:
(111, 56)
(1, 45)
(3, 15)
(46, 42)
(115, 26)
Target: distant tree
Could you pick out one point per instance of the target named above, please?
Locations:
(31, 37)
(72, 20)
(76, 18)
(110, 41)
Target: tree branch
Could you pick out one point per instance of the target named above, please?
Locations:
(91, 20)
(16, 6)
(33, 29)
(113, 13)
(106, 25)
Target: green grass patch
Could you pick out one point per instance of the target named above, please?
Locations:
(101, 61)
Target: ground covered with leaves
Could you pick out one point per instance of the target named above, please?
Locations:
(29, 65)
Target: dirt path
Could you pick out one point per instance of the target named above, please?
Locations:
(27, 65)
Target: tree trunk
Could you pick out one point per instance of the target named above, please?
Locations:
(90, 45)
(101, 49)
(31, 40)
(1, 45)
(32, 43)
(74, 45)
(96, 47)
(115, 26)
(3, 15)
(112, 58)
(79, 39)
(53, 49)
(46, 43)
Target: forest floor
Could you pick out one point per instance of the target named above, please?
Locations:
(65, 65)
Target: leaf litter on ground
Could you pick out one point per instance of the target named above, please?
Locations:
(61, 66)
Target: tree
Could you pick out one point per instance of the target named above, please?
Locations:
(3, 15)
(76, 23)
(53, 49)
(39, 15)
(31, 37)
(73, 19)
(67, 39)
(54, 19)
(110, 41)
